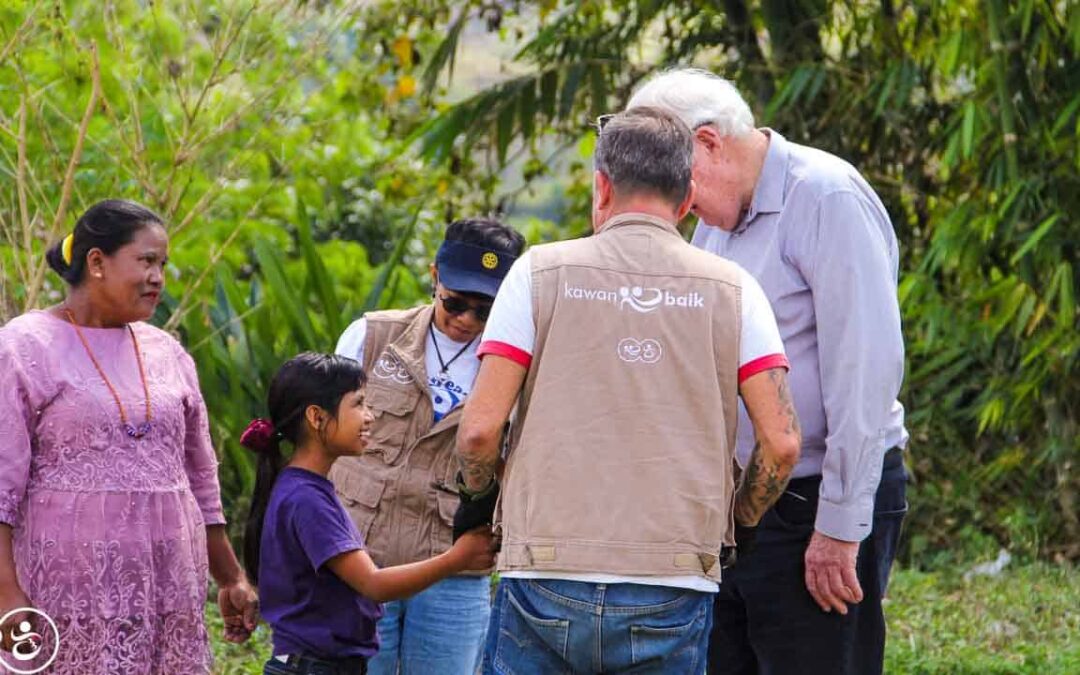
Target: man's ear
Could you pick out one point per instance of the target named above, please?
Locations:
(709, 138)
(604, 191)
(688, 203)
(434, 277)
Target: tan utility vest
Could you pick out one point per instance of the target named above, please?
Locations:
(400, 492)
(623, 446)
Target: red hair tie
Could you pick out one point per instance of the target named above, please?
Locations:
(260, 436)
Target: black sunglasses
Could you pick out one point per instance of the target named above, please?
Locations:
(455, 306)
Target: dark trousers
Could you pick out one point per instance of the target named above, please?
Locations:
(765, 620)
(313, 665)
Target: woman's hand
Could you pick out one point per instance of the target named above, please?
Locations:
(239, 610)
(474, 550)
(12, 597)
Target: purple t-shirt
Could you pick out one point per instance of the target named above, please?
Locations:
(311, 610)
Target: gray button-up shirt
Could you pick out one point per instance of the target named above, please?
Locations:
(819, 241)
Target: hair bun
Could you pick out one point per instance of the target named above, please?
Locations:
(260, 436)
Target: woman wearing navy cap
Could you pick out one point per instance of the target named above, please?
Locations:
(401, 491)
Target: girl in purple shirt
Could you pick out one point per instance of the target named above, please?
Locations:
(318, 589)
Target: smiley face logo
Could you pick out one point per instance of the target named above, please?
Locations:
(489, 260)
(632, 350)
(388, 367)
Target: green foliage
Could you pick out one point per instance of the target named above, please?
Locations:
(964, 116)
(270, 137)
(1023, 621)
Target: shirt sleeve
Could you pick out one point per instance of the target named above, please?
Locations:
(851, 266)
(351, 342)
(323, 528)
(510, 331)
(760, 346)
(200, 462)
(15, 429)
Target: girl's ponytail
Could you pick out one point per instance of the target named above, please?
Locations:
(261, 438)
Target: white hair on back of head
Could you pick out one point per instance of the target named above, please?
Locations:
(697, 97)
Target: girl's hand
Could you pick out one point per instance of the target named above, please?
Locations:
(474, 550)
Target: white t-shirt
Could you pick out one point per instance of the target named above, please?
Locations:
(511, 333)
(446, 391)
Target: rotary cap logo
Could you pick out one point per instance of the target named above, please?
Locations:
(489, 260)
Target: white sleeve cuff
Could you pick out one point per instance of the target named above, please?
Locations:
(852, 521)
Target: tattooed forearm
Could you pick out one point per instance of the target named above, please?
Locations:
(787, 406)
(762, 484)
(478, 471)
(774, 455)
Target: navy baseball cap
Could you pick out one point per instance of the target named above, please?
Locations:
(468, 268)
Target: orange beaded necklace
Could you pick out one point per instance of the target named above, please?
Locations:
(129, 428)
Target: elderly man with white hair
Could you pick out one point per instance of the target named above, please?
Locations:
(817, 238)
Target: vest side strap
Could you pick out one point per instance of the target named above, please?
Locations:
(607, 558)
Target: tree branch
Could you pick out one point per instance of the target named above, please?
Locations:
(69, 175)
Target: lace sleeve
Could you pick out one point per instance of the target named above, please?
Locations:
(15, 425)
(200, 462)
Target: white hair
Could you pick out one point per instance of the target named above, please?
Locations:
(697, 97)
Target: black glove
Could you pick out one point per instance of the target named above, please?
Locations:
(476, 509)
(745, 542)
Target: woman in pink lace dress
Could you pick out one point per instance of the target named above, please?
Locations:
(110, 513)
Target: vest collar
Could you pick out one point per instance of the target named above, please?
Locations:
(410, 346)
(635, 218)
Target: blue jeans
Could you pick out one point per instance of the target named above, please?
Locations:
(438, 630)
(548, 626)
(765, 619)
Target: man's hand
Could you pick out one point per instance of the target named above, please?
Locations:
(830, 572)
(239, 610)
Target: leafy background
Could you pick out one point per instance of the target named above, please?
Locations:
(308, 154)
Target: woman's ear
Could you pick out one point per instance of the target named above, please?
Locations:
(95, 263)
(434, 278)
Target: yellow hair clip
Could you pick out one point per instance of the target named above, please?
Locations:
(65, 248)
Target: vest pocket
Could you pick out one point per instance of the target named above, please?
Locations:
(393, 408)
(443, 529)
(360, 493)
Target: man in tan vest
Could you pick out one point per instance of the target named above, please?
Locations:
(619, 492)
(421, 363)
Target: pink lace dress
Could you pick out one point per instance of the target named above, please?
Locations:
(109, 531)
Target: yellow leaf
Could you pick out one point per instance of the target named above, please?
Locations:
(406, 86)
(402, 49)
(442, 186)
